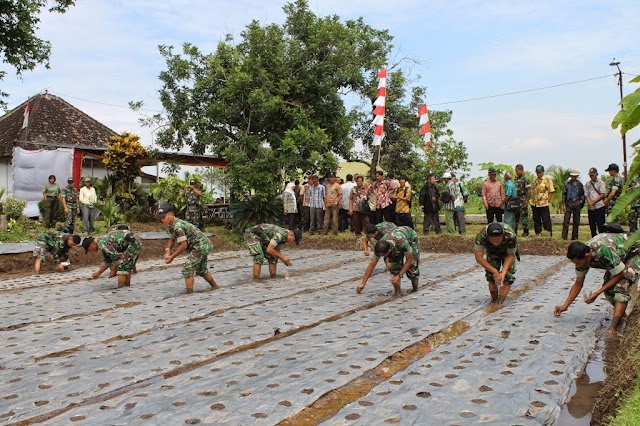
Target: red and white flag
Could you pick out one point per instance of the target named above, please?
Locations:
(425, 126)
(25, 121)
(379, 107)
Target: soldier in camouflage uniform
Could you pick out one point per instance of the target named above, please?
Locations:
(69, 198)
(634, 213)
(265, 241)
(193, 213)
(500, 243)
(615, 186)
(57, 244)
(523, 187)
(401, 250)
(374, 233)
(120, 249)
(191, 239)
(622, 265)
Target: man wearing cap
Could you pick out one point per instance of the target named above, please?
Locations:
(595, 193)
(120, 249)
(69, 198)
(635, 206)
(541, 193)
(58, 245)
(265, 241)
(188, 238)
(193, 213)
(523, 190)
(615, 186)
(572, 202)
(492, 197)
(500, 243)
(400, 249)
(622, 263)
(88, 199)
(451, 193)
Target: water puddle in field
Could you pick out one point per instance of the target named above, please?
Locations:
(584, 390)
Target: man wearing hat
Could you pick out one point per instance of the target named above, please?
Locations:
(493, 197)
(58, 245)
(615, 186)
(193, 213)
(595, 193)
(572, 202)
(88, 199)
(400, 248)
(500, 243)
(541, 192)
(120, 249)
(69, 198)
(451, 193)
(188, 238)
(635, 206)
(265, 241)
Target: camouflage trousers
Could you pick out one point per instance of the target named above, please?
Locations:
(194, 216)
(633, 218)
(40, 250)
(621, 292)
(196, 263)
(127, 259)
(398, 262)
(70, 219)
(257, 250)
(497, 262)
(522, 218)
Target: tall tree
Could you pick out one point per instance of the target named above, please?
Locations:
(19, 46)
(271, 105)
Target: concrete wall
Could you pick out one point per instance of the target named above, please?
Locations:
(6, 176)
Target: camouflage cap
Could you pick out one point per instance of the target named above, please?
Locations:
(539, 168)
(593, 171)
(495, 229)
(163, 209)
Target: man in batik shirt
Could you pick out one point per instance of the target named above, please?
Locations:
(500, 243)
(120, 249)
(265, 242)
(622, 265)
(57, 244)
(400, 250)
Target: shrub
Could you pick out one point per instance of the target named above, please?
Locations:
(21, 229)
(110, 211)
(13, 207)
(254, 210)
(140, 214)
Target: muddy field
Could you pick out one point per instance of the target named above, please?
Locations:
(303, 350)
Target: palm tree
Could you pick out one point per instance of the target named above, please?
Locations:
(559, 175)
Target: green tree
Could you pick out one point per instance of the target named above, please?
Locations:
(19, 45)
(124, 158)
(448, 154)
(499, 167)
(271, 104)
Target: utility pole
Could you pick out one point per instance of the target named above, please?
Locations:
(616, 64)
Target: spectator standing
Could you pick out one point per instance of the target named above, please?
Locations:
(392, 186)
(193, 213)
(346, 201)
(510, 195)
(359, 206)
(429, 196)
(306, 202)
(461, 195)
(523, 189)
(69, 199)
(383, 198)
(572, 203)
(50, 195)
(403, 203)
(88, 199)
(492, 196)
(615, 186)
(541, 193)
(635, 206)
(448, 198)
(316, 205)
(594, 191)
(332, 204)
(290, 206)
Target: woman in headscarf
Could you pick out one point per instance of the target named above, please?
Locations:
(290, 206)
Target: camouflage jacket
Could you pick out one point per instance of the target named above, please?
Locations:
(522, 186)
(182, 230)
(56, 243)
(509, 244)
(403, 241)
(635, 183)
(70, 196)
(270, 234)
(114, 243)
(608, 252)
(192, 199)
(615, 184)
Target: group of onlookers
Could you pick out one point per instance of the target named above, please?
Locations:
(73, 202)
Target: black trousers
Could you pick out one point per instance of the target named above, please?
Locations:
(541, 219)
(596, 220)
(343, 220)
(404, 219)
(306, 218)
(431, 218)
(384, 214)
(494, 213)
(572, 209)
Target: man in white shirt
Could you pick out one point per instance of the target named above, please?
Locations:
(595, 192)
(88, 199)
(344, 209)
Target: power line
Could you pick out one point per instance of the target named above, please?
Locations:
(99, 102)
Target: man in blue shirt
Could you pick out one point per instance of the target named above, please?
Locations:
(572, 203)
(317, 194)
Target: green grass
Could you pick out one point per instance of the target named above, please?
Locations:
(629, 413)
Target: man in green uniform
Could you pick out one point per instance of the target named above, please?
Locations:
(500, 243)
(374, 233)
(120, 249)
(265, 241)
(188, 238)
(523, 188)
(193, 213)
(615, 186)
(58, 245)
(69, 198)
(400, 249)
(622, 265)
(635, 206)
(50, 195)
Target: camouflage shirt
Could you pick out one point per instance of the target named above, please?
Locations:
(608, 252)
(403, 241)
(616, 184)
(635, 183)
(270, 234)
(70, 196)
(192, 199)
(114, 243)
(509, 244)
(181, 230)
(56, 243)
(522, 186)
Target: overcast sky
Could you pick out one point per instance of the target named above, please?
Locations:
(105, 52)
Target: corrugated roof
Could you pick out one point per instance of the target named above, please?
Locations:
(51, 120)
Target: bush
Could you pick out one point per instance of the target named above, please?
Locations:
(20, 230)
(140, 214)
(255, 210)
(13, 207)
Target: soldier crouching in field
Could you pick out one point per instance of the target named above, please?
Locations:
(120, 249)
(57, 244)
(500, 243)
(265, 241)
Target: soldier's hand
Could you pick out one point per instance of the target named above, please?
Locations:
(286, 261)
(366, 253)
(558, 310)
(66, 211)
(395, 280)
(59, 267)
(591, 298)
